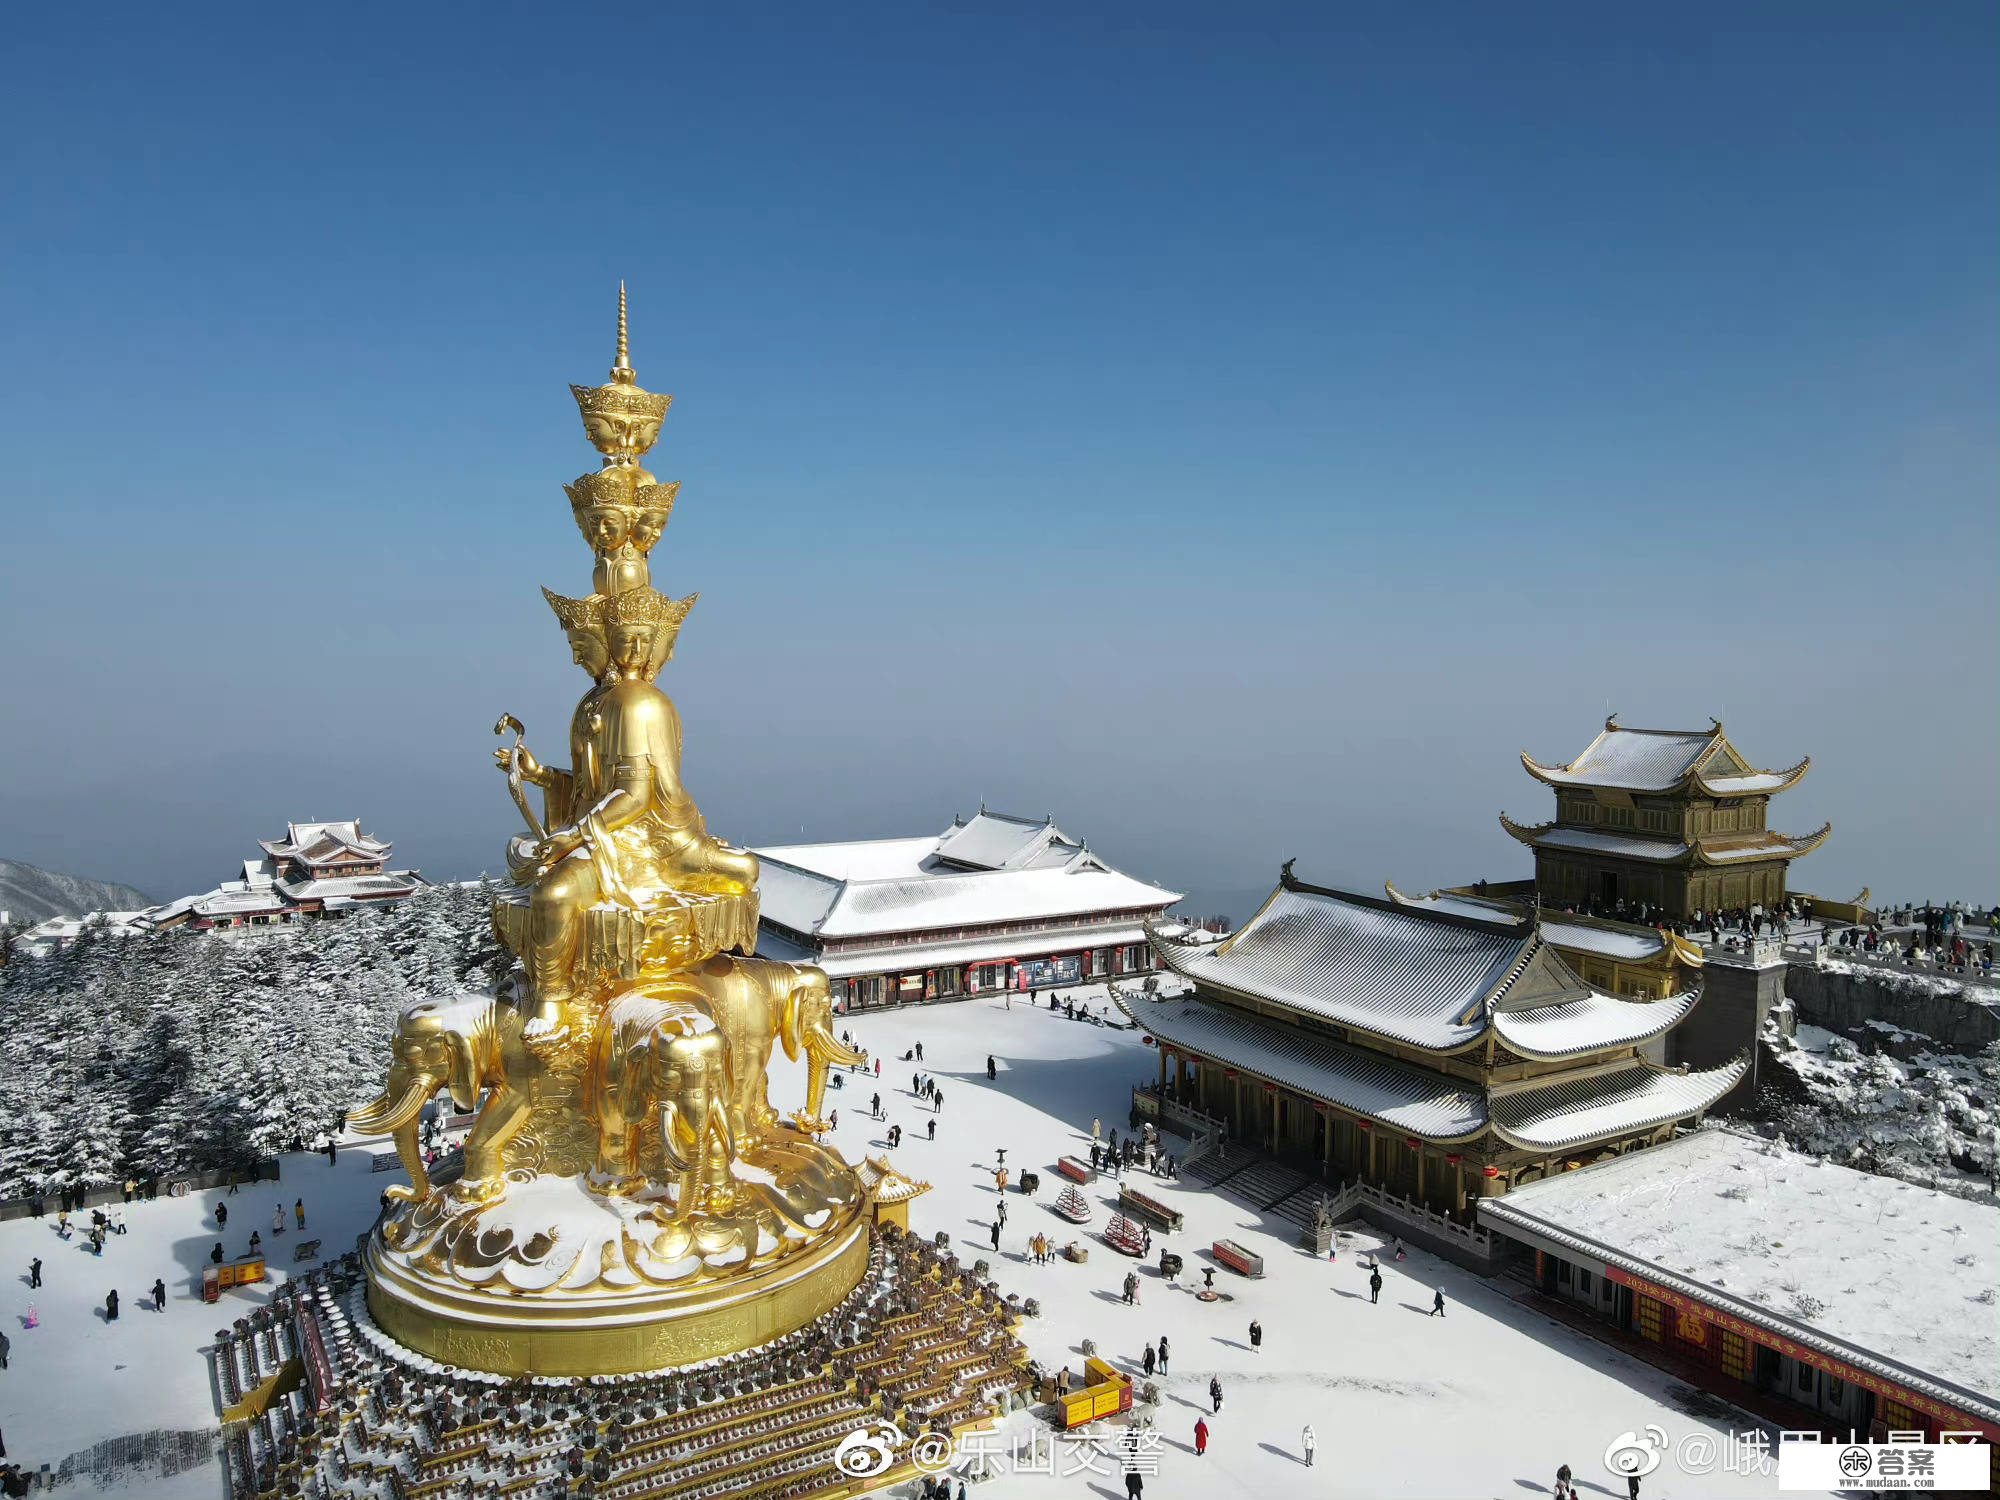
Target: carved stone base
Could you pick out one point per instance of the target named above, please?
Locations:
(619, 1332)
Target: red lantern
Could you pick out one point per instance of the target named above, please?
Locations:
(1489, 1171)
(1366, 1124)
(1229, 1072)
(1412, 1142)
(1320, 1105)
(1270, 1088)
(1149, 1042)
(1453, 1159)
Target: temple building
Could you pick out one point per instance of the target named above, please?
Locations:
(1665, 819)
(1441, 1055)
(315, 870)
(992, 903)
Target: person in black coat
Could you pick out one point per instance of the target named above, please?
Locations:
(111, 1306)
(1256, 1336)
(35, 1272)
(1149, 1361)
(159, 1295)
(222, 1216)
(215, 1255)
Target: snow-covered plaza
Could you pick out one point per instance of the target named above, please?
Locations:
(1486, 1401)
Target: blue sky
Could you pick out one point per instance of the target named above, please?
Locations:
(1238, 430)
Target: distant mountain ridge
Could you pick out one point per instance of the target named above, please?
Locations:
(34, 895)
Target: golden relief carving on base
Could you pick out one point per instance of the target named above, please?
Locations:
(625, 1153)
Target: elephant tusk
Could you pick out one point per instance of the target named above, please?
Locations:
(380, 1117)
(828, 1048)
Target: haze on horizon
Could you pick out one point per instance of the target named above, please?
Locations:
(1238, 432)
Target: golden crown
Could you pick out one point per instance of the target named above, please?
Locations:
(577, 614)
(611, 486)
(647, 607)
(656, 496)
(621, 397)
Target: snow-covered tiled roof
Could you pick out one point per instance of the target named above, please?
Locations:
(1868, 1269)
(1574, 1110)
(998, 841)
(1591, 841)
(347, 886)
(1638, 760)
(1660, 760)
(903, 885)
(1570, 1028)
(1416, 976)
(322, 840)
(1630, 945)
(1408, 1098)
(905, 958)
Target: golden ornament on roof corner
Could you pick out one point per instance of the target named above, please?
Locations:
(629, 1199)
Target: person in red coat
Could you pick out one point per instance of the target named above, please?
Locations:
(1200, 1436)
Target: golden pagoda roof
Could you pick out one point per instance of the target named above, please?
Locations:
(1665, 760)
(881, 1180)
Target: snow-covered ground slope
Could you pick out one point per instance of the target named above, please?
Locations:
(1484, 1402)
(1925, 1116)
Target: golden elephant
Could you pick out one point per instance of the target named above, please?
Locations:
(469, 1044)
(758, 1003)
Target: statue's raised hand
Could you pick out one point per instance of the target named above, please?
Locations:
(532, 770)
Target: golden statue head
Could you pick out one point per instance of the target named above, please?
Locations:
(583, 622)
(621, 420)
(640, 627)
(656, 508)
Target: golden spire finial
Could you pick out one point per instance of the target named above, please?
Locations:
(621, 371)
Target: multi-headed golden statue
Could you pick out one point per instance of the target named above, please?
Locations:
(628, 1197)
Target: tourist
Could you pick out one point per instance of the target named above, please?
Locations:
(920, 1051)
(833, 1120)
(875, 1106)
(1096, 1129)
(256, 1242)
(1215, 1394)
(35, 1272)
(1003, 1210)
(931, 1127)
(1062, 1382)
(5, 1345)
(1131, 1288)
(1135, 1484)
(1565, 1486)
(32, 1320)
(1374, 1284)
(878, 1067)
(111, 1306)
(1399, 1248)
(159, 1295)
(1163, 1354)
(277, 1218)
(1256, 1337)
(215, 1255)
(299, 1211)
(222, 1216)
(1437, 1304)
(991, 1071)
(1150, 1359)
(1201, 1431)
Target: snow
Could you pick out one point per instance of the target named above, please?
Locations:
(1879, 1265)
(1596, 1021)
(1483, 1403)
(1605, 941)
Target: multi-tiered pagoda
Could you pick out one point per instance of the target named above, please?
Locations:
(1669, 820)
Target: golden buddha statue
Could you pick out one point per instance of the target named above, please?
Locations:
(634, 1200)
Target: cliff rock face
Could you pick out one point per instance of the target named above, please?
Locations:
(34, 895)
(1845, 997)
